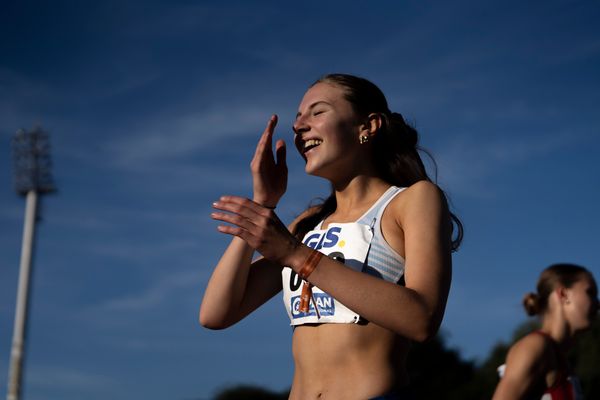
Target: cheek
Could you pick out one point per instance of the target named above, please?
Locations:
(584, 308)
(340, 134)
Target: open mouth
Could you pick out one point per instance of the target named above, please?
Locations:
(311, 144)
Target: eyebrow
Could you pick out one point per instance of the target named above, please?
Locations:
(313, 105)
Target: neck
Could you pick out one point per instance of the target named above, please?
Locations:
(559, 330)
(359, 190)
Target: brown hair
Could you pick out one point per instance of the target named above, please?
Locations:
(398, 160)
(565, 275)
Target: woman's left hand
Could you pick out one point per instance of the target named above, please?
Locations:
(256, 225)
(269, 171)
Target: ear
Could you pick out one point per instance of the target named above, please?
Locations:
(563, 294)
(372, 125)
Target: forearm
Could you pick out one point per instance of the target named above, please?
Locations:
(395, 307)
(227, 285)
(386, 304)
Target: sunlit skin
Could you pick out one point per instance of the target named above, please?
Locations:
(532, 363)
(335, 361)
(324, 115)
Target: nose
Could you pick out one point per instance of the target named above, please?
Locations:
(300, 125)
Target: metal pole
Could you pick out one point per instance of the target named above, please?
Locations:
(16, 356)
(31, 154)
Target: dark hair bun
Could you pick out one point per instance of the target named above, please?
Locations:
(531, 304)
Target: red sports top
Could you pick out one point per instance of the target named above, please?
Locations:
(566, 386)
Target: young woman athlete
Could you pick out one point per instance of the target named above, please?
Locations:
(536, 366)
(362, 274)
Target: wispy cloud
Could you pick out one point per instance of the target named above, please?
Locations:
(140, 252)
(182, 136)
(164, 288)
(467, 165)
(54, 377)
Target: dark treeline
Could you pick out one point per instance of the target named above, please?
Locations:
(438, 372)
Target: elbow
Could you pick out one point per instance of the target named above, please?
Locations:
(212, 325)
(425, 331)
(210, 321)
(426, 324)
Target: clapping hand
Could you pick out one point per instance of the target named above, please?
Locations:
(269, 174)
(254, 221)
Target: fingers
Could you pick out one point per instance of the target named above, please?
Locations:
(246, 215)
(266, 140)
(272, 121)
(267, 135)
(280, 150)
(241, 218)
(241, 206)
(233, 219)
(247, 218)
(236, 231)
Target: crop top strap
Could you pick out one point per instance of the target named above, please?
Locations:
(554, 343)
(374, 213)
(563, 365)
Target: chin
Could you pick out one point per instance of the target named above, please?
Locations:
(311, 169)
(321, 170)
(312, 172)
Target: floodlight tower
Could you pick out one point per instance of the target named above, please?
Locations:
(31, 157)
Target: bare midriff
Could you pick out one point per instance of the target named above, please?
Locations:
(347, 361)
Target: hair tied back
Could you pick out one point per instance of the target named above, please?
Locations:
(531, 304)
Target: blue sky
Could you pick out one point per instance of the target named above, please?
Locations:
(154, 108)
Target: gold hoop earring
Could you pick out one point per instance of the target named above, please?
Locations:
(363, 139)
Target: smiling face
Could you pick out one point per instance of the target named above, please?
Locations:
(326, 132)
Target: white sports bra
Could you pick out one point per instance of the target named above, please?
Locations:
(359, 245)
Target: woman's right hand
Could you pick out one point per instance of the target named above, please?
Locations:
(269, 174)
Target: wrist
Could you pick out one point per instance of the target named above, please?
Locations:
(265, 203)
(310, 264)
(304, 260)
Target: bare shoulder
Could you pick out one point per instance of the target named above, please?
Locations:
(422, 196)
(526, 366)
(530, 343)
(529, 352)
(424, 190)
